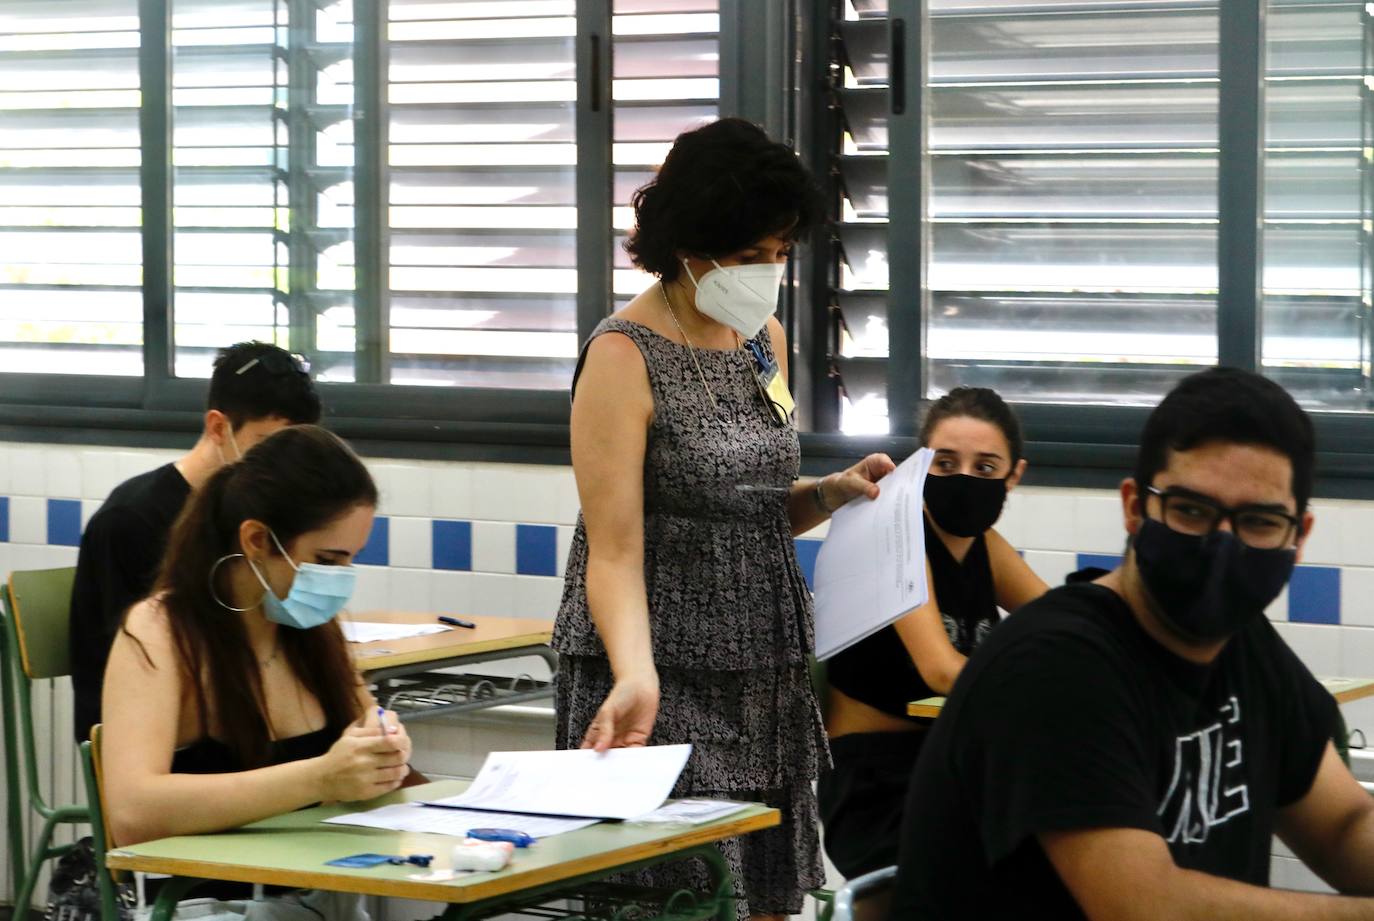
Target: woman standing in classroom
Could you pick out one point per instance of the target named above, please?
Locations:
(685, 616)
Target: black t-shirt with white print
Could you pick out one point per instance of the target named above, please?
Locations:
(1070, 716)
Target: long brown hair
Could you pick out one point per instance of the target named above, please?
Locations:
(296, 481)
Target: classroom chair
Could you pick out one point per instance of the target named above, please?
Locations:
(14, 807)
(37, 605)
(100, 836)
(1341, 738)
(864, 898)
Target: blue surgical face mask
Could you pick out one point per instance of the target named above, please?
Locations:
(317, 594)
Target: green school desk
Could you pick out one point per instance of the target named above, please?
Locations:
(405, 671)
(291, 850)
(1343, 689)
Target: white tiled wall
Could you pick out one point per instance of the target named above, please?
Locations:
(1327, 616)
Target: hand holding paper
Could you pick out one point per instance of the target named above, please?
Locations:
(619, 784)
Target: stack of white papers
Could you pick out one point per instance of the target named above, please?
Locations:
(421, 819)
(548, 793)
(361, 631)
(619, 784)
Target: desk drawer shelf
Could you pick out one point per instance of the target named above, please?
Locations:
(427, 695)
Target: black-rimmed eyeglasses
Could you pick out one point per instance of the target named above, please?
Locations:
(1258, 526)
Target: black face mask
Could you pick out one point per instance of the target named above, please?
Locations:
(964, 505)
(1207, 588)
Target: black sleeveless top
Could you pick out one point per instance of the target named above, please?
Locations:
(878, 671)
(209, 755)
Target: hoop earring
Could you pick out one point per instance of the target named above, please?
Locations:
(215, 595)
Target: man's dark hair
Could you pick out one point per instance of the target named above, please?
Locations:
(976, 403)
(722, 188)
(258, 380)
(1231, 406)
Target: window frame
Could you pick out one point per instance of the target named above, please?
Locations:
(1083, 445)
(1072, 445)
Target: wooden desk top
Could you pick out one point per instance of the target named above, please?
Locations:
(291, 850)
(1343, 689)
(929, 708)
(492, 634)
(1347, 689)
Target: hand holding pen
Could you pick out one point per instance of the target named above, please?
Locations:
(369, 759)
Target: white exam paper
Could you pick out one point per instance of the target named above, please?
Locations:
(872, 567)
(420, 819)
(362, 631)
(619, 784)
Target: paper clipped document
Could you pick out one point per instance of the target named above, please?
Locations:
(872, 566)
(362, 631)
(420, 819)
(622, 783)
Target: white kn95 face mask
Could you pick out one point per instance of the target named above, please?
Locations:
(742, 297)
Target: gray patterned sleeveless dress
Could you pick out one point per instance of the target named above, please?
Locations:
(730, 617)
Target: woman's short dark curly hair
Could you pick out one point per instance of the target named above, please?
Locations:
(722, 188)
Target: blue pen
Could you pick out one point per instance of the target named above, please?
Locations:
(381, 720)
(456, 622)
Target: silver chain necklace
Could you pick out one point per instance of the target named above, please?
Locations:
(690, 349)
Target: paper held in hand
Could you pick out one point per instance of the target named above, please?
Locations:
(619, 784)
(872, 567)
(548, 793)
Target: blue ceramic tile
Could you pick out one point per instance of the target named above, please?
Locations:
(64, 522)
(536, 550)
(807, 549)
(1314, 595)
(1106, 561)
(452, 544)
(4, 519)
(378, 549)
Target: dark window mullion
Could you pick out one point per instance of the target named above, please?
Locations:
(1240, 174)
(818, 132)
(595, 171)
(908, 182)
(303, 268)
(155, 181)
(372, 185)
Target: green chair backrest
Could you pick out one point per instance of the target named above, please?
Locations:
(101, 842)
(39, 602)
(37, 607)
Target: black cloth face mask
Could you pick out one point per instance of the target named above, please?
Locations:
(1208, 587)
(964, 505)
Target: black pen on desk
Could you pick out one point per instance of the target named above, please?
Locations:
(456, 622)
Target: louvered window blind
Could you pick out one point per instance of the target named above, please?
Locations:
(1073, 200)
(263, 160)
(483, 160)
(69, 188)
